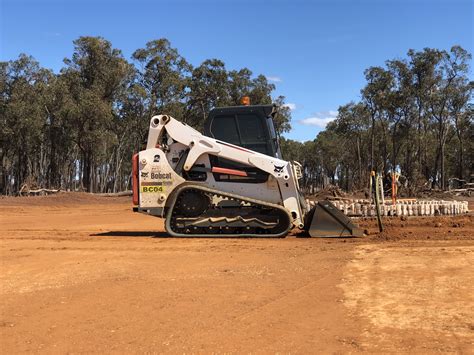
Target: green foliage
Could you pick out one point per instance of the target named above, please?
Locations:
(209, 88)
(95, 78)
(283, 116)
(415, 117)
(162, 74)
(79, 128)
(24, 88)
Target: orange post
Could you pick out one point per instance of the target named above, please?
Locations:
(394, 188)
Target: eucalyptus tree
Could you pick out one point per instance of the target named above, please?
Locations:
(423, 65)
(94, 76)
(261, 90)
(282, 119)
(240, 85)
(209, 88)
(374, 96)
(353, 125)
(23, 150)
(462, 112)
(452, 78)
(162, 75)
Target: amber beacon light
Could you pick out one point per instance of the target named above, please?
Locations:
(245, 101)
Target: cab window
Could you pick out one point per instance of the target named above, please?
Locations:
(225, 129)
(251, 129)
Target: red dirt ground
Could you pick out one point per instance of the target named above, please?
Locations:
(81, 273)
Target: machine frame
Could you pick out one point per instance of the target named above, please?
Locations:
(281, 188)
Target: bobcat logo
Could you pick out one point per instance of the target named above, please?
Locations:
(144, 174)
(278, 169)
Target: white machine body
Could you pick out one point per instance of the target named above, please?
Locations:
(157, 177)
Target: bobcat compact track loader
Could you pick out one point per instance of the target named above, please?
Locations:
(230, 182)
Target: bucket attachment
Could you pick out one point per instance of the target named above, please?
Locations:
(325, 220)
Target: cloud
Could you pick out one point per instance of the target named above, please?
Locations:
(291, 106)
(53, 34)
(275, 79)
(319, 119)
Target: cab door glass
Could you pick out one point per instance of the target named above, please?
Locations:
(251, 129)
(225, 129)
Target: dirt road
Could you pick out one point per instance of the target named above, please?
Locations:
(84, 274)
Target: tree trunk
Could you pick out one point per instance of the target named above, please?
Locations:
(461, 159)
(372, 142)
(359, 163)
(443, 178)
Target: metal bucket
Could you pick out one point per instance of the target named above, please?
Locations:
(326, 221)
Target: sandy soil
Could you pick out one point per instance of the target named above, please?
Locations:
(81, 273)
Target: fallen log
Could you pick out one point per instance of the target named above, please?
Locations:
(116, 194)
(39, 192)
(461, 190)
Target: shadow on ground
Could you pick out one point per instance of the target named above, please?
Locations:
(148, 234)
(154, 234)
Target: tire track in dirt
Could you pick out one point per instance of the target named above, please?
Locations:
(85, 274)
(417, 297)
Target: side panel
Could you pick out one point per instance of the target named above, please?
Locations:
(267, 191)
(156, 178)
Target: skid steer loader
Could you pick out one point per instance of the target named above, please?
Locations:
(229, 182)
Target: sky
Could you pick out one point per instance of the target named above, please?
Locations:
(315, 52)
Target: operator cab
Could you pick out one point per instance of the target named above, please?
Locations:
(250, 127)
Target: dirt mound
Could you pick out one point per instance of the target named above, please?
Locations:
(328, 192)
(420, 228)
(61, 199)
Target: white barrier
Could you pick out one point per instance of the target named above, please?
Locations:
(357, 207)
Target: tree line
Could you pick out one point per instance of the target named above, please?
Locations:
(415, 117)
(79, 128)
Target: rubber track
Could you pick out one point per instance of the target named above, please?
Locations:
(185, 186)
